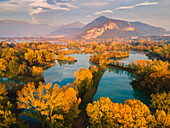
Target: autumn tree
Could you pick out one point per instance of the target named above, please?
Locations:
(7, 118)
(23, 68)
(100, 47)
(133, 113)
(161, 101)
(105, 113)
(52, 105)
(4, 44)
(61, 57)
(13, 68)
(36, 71)
(83, 81)
(3, 66)
(151, 76)
(30, 56)
(34, 57)
(162, 120)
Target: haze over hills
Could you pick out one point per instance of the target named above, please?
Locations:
(13, 28)
(67, 29)
(100, 28)
(107, 28)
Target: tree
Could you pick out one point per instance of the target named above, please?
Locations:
(30, 56)
(152, 76)
(3, 66)
(105, 113)
(83, 81)
(53, 106)
(13, 68)
(36, 71)
(7, 118)
(161, 101)
(162, 119)
(23, 69)
(4, 44)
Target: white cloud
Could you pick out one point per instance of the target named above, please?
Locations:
(94, 4)
(104, 11)
(136, 5)
(34, 7)
(147, 3)
(36, 11)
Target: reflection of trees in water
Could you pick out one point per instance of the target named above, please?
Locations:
(120, 58)
(120, 72)
(4, 80)
(62, 63)
(142, 97)
(137, 94)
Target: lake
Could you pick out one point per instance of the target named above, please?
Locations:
(114, 83)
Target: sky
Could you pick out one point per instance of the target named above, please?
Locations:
(57, 12)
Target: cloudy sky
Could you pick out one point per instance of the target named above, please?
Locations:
(56, 12)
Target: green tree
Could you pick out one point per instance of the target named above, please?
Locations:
(13, 68)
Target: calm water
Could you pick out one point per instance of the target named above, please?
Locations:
(65, 74)
(114, 84)
(134, 56)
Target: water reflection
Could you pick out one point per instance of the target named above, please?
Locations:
(62, 63)
(134, 56)
(115, 83)
(7, 80)
(142, 97)
(64, 73)
(130, 75)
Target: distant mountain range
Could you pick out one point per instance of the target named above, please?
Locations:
(100, 28)
(67, 29)
(12, 28)
(107, 28)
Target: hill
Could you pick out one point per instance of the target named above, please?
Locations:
(107, 28)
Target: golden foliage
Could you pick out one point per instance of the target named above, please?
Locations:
(35, 71)
(83, 81)
(105, 113)
(38, 56)
(3, 66)
(7, 118)
(58, 107)
(161, 101)
(152, 75)
(133, 114)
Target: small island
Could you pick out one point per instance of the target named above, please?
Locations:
(65, 58)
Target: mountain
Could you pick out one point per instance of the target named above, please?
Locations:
(94, 23)
(67, 29)
(107, 28)
(13, 28)
(148, 29)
